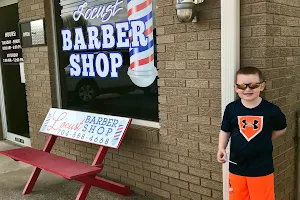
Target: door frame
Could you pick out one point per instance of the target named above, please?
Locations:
(7, 2)
(18, 139)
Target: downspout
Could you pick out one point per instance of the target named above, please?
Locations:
(298, 156)
(230, 63)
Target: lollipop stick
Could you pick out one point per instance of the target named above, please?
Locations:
(230, 161)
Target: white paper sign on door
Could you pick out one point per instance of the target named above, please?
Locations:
(22, 72)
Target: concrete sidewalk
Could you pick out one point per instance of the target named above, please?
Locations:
(14, 175)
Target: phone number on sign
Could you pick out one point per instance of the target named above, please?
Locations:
(83, 136)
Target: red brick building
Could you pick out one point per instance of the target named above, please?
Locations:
(170, 149)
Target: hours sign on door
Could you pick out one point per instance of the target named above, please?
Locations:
(11, 47)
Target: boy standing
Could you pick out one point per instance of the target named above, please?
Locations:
(252, 123)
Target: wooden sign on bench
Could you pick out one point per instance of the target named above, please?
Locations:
(104, 130)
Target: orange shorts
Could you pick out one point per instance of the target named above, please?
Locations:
(251, 188)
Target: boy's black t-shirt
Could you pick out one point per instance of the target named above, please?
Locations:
(251, 136)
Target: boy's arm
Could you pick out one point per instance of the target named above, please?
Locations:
(279, 124)
(223, 139)
(224, 135)
(277, 134)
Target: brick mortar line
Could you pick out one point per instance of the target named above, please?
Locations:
(280, 173)
(254, 3)
(284, 151)
(278, 4)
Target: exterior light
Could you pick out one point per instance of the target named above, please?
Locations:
(185, 10)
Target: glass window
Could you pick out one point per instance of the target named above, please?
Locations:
(107, 57)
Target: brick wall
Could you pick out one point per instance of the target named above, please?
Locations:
(36, 73)
(190, 104)
(284, 89)
(178, 161)
(172, 164)
(270, 36)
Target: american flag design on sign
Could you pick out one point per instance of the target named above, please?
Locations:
(142, 58)
(118, 133)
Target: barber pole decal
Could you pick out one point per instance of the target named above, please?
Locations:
(142, 58)
(118, 133)
(48, 118)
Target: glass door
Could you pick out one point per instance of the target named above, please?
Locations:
(12, 84)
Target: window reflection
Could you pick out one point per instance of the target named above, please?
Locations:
(113, 96)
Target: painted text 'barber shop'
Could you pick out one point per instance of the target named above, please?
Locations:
(101, 40)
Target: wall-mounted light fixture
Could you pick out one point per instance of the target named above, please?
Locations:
(185, 10)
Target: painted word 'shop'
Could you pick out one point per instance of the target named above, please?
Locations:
(136, 34)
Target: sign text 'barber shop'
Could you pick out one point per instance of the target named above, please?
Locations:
(94, 128)
(101, 39)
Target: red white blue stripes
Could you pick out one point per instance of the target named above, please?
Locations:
(118, 133)
(142, 58)
(48, 118)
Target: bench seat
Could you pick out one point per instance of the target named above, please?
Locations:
(64, 167)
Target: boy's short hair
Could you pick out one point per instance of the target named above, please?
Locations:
(250, 70)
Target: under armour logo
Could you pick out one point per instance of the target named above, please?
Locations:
(250, 126)
(255, 124)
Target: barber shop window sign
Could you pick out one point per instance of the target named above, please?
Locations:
(135, 34)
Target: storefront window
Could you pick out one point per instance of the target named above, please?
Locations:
(107, 57)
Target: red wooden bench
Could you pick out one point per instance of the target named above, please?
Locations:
(67, 168)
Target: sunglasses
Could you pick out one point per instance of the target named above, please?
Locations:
(244, 86)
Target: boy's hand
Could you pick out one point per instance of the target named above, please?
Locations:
(221, 155)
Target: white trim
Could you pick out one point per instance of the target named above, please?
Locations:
(2, 105)
(7, 2)
(11, 137)
(145, 123)
(230, 62)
